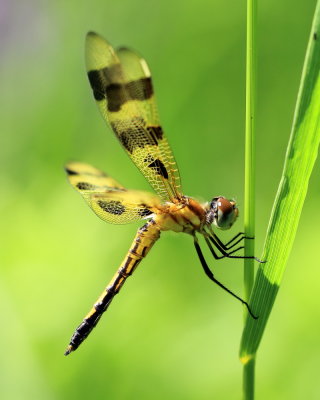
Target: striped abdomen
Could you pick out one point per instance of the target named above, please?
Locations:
(142, 243)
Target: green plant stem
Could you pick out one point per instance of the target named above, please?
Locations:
(248, 381)
(249, 211)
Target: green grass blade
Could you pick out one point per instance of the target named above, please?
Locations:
(300, 158)
(249, 209)
(249, 186)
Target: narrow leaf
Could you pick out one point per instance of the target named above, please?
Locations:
(300, 158)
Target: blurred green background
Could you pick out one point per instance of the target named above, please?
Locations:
(170, 333)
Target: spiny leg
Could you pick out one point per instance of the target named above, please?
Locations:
(215, 255)
(226, 246)
(142, 243)
(234, 238)
(226, 254)
(211, 276)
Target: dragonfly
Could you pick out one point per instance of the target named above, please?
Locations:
(122, 88)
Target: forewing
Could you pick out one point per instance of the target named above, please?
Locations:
(136, 69)
(122, 88)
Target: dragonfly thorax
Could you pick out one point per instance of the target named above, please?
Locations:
(186, 215)
(222, 212)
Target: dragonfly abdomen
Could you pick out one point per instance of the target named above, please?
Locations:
(142, 243)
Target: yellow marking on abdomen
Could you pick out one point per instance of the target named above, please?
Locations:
(142, 243)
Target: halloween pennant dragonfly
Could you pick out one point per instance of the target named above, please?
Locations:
(122, 87)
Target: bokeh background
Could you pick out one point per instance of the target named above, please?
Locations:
(170, 333)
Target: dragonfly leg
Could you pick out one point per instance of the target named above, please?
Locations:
(213, 252)
(144, 240)
(228, 245)
(217, 244)
(210, 275)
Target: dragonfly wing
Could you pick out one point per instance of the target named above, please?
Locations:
(123, 208)
(107, 198)
(84, 176)
(136, 69)
(122, 88)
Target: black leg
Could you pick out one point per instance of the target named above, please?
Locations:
(215, 255)
(211, 276)
(228, 246)
(235, 237)
(226, 254)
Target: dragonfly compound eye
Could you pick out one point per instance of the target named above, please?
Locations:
(224, 212)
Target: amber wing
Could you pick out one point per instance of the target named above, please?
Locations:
(122, 87)
(107, 198)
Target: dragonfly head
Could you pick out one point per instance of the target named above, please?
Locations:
(222, 212)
